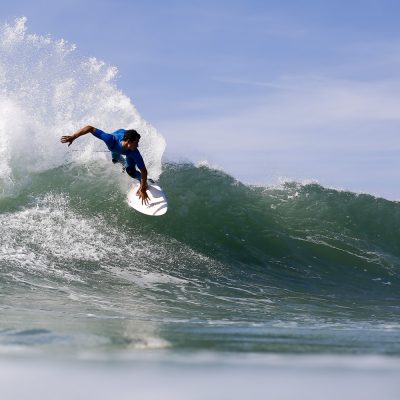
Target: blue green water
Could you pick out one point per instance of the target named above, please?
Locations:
(298, 269)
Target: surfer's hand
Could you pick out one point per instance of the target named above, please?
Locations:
(68, 139)
(142, 194)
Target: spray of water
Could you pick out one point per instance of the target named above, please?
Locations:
(47, 90)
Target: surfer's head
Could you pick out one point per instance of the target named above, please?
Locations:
(131, 139)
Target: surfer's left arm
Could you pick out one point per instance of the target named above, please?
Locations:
(142, 191)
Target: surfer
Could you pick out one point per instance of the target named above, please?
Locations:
(121, 143)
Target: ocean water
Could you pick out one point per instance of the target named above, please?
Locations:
(238, 291)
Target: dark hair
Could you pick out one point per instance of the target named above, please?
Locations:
(131, 135)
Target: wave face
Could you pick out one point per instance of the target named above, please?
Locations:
(297, 268)
(301, 237)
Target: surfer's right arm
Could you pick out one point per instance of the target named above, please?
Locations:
(83, 131)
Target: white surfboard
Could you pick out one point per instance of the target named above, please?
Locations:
(158, 204)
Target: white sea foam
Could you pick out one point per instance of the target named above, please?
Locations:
(49, 234)
(46, 91)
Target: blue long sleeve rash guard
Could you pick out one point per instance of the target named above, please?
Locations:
(113, 143)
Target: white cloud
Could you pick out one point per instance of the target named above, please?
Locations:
(300, 107)
(304, 127)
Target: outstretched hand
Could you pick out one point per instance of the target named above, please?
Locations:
(142, 194)
(67, 139)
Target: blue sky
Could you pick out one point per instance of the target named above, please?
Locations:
(308, 90)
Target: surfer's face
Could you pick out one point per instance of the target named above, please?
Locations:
(131, 144)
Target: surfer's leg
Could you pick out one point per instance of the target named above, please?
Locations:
(133, 173)
(116, 157)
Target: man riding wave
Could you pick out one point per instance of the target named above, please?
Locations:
(121, 143)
